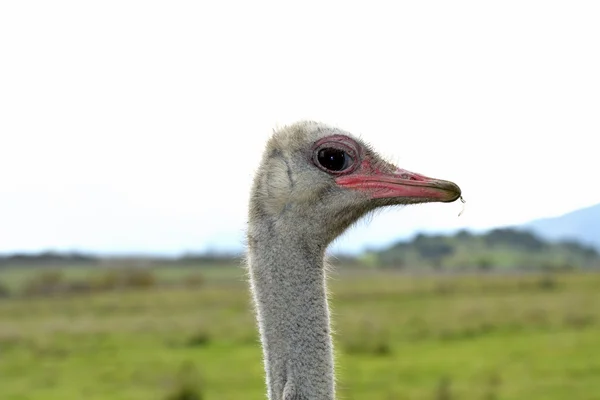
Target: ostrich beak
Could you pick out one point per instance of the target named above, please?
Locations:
(402, 184)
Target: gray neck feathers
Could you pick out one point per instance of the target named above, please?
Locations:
(288, 284)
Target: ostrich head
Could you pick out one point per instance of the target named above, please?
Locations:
(313, 182)
(327, 178)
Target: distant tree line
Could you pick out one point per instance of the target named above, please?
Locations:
(52, 258)
(497, 249)
(47, 258)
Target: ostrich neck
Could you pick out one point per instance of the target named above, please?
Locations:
(288, 282)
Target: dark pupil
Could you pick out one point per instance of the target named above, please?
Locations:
(332, 159)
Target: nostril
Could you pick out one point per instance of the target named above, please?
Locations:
(412, 178)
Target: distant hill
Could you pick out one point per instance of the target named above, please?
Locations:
(506, 249)
(581, 225)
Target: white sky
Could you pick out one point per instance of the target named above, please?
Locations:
(136, 126)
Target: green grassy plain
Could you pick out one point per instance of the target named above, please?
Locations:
(485, 337)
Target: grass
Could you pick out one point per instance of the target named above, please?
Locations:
(397, 336)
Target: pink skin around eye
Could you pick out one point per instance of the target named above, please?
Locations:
(343, 143)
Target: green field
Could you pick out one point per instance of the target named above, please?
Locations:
(397, 337)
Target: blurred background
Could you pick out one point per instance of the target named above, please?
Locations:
(129, 135)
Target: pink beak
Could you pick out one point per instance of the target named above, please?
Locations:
(402, 184)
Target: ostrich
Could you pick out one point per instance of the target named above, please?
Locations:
(313, 182)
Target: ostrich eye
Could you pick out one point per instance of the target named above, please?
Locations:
(334, 159)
